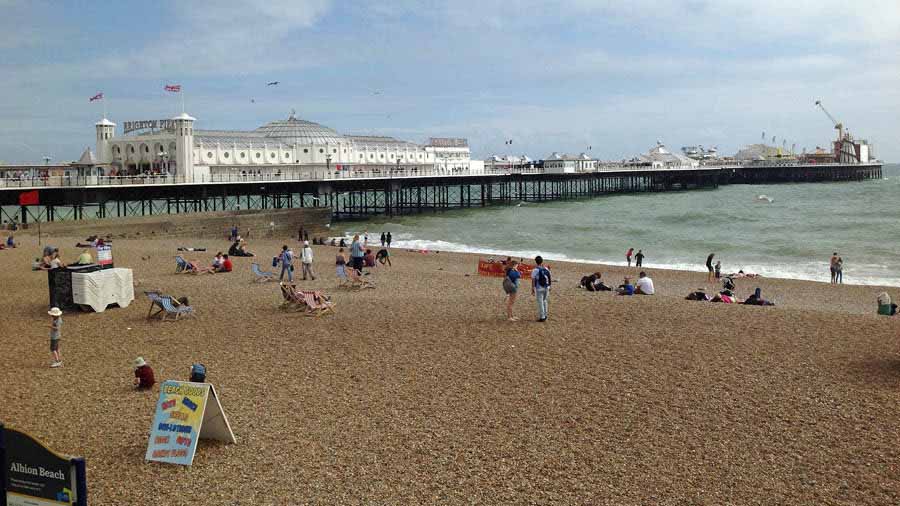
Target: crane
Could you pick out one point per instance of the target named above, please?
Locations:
(837, 124)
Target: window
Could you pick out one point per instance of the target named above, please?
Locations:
(243, 155)
(146, 149)
(225, 154)
(272, 155)
(131, 149)
(371, 156)
(258, 155)
(335, 151)
(321, 150)
(361, 156)
(287, 155)
(305, 150)
(382, 155)
(345, 151)
(420, 156)
(209, 154)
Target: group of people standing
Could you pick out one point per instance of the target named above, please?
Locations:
(541, 280)
(837, 269)
(638, 257)
(286, 259)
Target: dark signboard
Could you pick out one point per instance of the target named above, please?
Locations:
(34, 475)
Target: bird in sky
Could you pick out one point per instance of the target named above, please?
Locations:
(376, 92)
(272, 83)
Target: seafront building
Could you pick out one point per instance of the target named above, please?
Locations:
(567, 164)
(292, 149)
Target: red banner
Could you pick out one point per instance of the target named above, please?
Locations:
(28, 198)
(498, 269)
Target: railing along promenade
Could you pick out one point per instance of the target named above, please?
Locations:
(321, 175)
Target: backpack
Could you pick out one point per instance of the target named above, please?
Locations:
(198, 373)
(543, 277)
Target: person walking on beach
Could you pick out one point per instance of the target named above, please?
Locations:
(511, 286)
(234, 232)
(709, 267)
(639, 258)
(628, 255)
(839, 271)
(834, 260)
(383, 239)
(300, 233)
(55, 335)
(356, 254)
(540, 287)
(287, 260)
(306, 260)
(388, 239)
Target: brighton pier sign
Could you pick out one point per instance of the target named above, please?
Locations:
(151, 124)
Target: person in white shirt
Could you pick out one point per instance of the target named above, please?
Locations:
(644, 285)
(306, 259)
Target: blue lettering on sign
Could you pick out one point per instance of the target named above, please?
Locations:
(187, 402)
(171, 427)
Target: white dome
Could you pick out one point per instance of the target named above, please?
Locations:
(302, 132)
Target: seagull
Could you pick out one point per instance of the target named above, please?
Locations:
(273, 83)
(252, 101)
(376, 92)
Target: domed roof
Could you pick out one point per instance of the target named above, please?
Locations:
(293, 130)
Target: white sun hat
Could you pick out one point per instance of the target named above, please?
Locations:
(55, 311)
(139, 362)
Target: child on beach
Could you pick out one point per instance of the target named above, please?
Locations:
(143, 374)
(55, 335)
(628, 255)
(511, 286)
(639, 258)
(718, 269)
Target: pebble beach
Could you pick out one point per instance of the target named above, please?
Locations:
(420, 391)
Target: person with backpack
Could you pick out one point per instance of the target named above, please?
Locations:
(287, 260)
(511, 287)
(540, 287)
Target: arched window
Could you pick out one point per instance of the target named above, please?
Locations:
(131, 149)
(287, 155)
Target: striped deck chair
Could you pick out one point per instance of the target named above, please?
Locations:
(155, 303)
(317, 304)
(181, 265)
(261, 276)
(174, 309)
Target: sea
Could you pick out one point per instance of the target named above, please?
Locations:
(777, 230)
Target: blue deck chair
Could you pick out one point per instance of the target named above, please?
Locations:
(155, 302)
(261, 275)
(181, 265)
(173, 310)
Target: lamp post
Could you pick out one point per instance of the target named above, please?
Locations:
(328, 163)
(164, 156)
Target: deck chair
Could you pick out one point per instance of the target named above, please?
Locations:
(357, 281)
(261, 276)
(313, 303)
(155, 303)
(181, 265)
(174, 309)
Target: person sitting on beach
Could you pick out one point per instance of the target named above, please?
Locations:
(84, 258)
(369, 258)
(143, 374)
(698, 294)
(55, 261)
(217, 261)
(626, 288)
(594, 283)
(226, 265)
(333, 242)
(384, 256)
(10, 241)
(644, 285)
(343, 243)
(885, 307)
(757, 300)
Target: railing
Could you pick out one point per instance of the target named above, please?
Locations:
(333, 175)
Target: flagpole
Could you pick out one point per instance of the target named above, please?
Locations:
(182, 101)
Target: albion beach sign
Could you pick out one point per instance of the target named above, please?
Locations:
(148, 124)
(34, 475)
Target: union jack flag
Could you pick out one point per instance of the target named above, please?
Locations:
(98, 96)
(174, 88)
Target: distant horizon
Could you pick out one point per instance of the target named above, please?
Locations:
(616, 77)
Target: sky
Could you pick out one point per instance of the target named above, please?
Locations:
(560, 76)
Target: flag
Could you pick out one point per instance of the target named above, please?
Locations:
(28, 198)
(98, 96)
(174, 88)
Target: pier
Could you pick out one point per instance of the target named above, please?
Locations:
(362, 194)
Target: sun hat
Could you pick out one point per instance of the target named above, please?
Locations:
(55, 311)
(139, 362)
